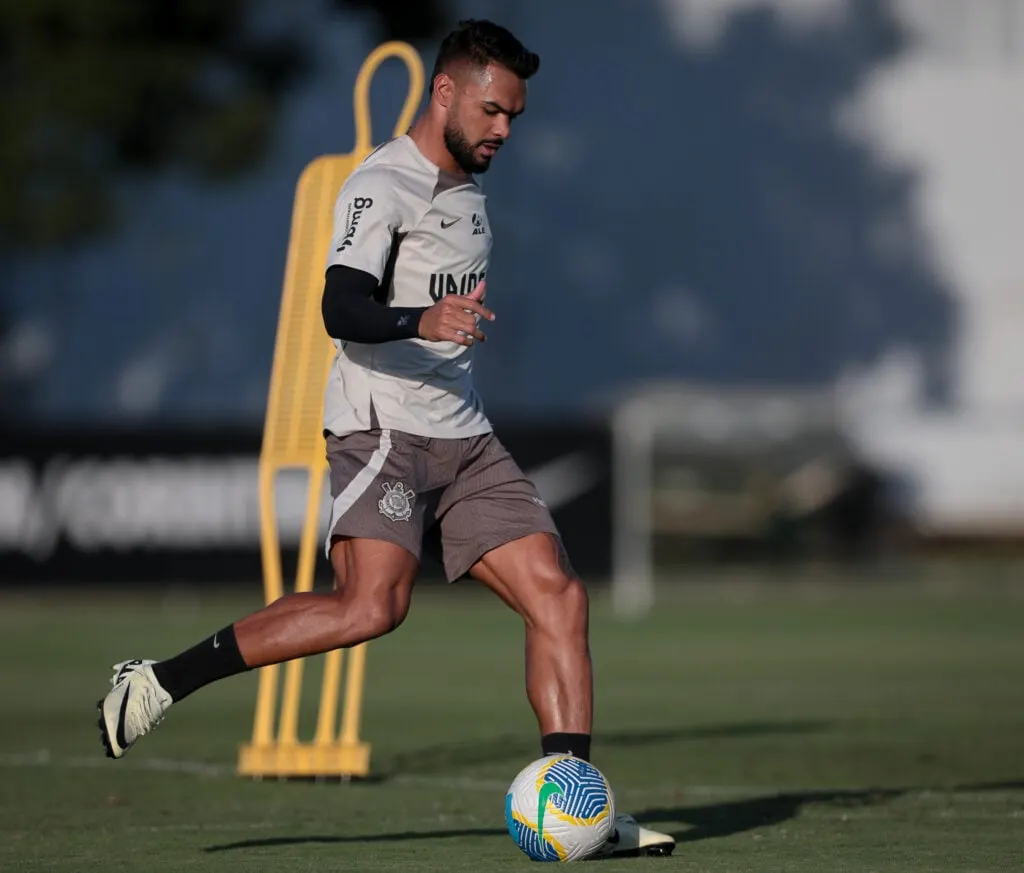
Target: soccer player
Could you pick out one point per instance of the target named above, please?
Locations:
(409, 445)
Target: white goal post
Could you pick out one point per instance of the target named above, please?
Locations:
(708, 424)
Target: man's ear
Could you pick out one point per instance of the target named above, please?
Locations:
(444, 90)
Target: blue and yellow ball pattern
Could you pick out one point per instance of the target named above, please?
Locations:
(559, 808)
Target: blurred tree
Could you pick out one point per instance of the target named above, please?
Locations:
(93, 89)
(97, 89)
(97, 92)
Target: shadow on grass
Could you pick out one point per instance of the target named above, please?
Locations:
(446, 756)
(737, 816)
(702, 822)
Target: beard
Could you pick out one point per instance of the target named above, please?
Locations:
(460, 149)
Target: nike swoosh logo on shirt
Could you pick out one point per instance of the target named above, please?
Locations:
(446, 224)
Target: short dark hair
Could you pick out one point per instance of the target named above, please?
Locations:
(482, 42)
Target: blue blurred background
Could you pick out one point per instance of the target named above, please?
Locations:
(766, 196)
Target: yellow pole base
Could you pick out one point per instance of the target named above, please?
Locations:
(336, 760)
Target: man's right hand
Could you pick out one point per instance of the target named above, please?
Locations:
(454, 318)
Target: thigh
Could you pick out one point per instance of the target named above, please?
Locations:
(379, 489)
(370, 563)
(374, 570)
(529, 574)
(490, 503)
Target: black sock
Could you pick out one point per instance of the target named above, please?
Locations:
(216, 657)
(577, 745)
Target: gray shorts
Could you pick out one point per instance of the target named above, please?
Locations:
(466, 495)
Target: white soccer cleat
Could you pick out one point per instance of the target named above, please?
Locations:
(630, 839)
(133, 708)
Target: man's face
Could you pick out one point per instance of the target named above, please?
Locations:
(484, 103)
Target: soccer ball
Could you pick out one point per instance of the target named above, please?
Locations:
(560, 808)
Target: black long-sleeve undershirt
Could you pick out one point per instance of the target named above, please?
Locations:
(352, 315)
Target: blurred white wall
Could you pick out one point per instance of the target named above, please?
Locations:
(952, 107)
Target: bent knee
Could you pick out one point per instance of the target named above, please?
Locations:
(375, 605)
(375, 611)
(379, 616)
(560, 601)
(372, 590)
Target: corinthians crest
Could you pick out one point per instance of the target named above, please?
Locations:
(396, 503)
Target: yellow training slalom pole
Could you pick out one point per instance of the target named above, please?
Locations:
(292, 438)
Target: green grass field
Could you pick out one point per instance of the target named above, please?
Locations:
(866, 730)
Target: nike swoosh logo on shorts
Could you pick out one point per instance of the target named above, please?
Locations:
(446, 224)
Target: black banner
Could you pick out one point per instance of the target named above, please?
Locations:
(143, 506)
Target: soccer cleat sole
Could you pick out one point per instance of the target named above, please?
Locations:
(659, 850)
(104, 736)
